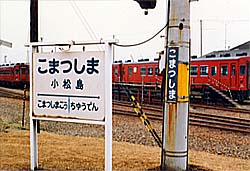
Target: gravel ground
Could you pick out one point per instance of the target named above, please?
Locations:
(132, 130)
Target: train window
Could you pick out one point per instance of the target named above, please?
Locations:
(242, 70)
(23, 71)
(6, 72)
(150, 71)
(203, 70)
(143, 71)
(135, 69)
(233, 72)
(17, 71)
(224, 70)
(193, 70)
(130, 69)
(156, 70)
(116, 71)
(213, 71)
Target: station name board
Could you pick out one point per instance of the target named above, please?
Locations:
(172, 72)
(69, 85)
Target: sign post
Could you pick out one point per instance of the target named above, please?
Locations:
(71, 87)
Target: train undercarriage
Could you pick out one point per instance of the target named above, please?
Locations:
(202, 94)
(16, 85)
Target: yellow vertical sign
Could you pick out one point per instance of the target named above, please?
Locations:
(183, 82)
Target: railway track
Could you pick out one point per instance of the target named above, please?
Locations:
(220, 122)
(9, 94)
(198, 119)
(155, 113)
(237, 110)
(195, 106)
(13, 93)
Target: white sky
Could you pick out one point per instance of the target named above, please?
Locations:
(226, 23)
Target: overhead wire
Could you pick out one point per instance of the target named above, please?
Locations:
(93, 35)
(84, 22)
(143, 42)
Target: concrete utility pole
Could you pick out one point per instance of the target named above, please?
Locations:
(33, 20)
(176, 101)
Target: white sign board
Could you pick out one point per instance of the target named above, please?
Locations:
(69, 85)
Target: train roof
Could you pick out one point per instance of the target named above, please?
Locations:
(220, 58)
(12, 64)
(140, 61)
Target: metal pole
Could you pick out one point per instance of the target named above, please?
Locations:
(225, 36)
(5, 59)
(175, 127)
(108, 110)
(113, 50)
(201, 36)
(33, 122)
(24, 99)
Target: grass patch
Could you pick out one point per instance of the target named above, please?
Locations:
(5, 127)
(57, 152)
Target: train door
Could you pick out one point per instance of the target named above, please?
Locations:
(233, 75)
(130, 74)
(120, 69)
(22, 74)
(17, 74)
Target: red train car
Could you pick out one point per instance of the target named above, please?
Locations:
(225, 74)
(140, 72)
(14, 75)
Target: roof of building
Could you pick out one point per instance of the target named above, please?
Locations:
(240, 50)
(245, 45)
